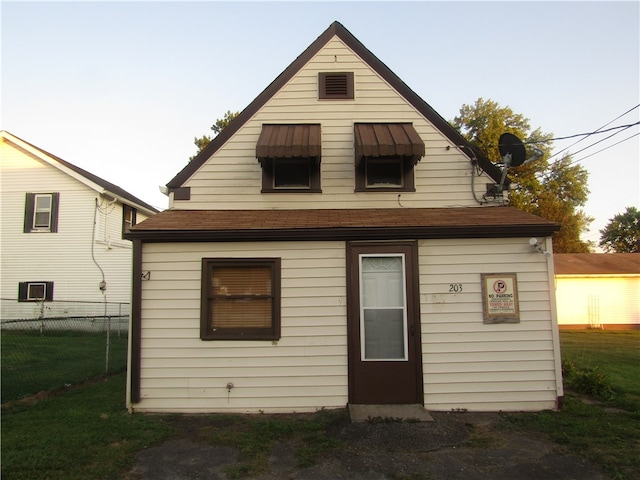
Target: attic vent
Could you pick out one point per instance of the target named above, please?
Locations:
(335, 85)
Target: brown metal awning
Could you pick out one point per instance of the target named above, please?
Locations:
(387, 140)
(289, 141)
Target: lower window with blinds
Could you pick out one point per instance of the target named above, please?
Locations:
(240, 299)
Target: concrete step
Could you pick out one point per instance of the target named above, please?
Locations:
(393, 412)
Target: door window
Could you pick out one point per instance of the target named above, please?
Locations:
(383, 308)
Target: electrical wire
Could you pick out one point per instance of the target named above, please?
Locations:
(598, 130)
(605, 148)
(619, 129)
(603, 139)
(533, 142)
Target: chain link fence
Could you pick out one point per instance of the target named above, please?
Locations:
(53, 344)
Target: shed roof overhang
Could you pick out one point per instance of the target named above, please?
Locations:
(339, 224)
(289, 141)
(387, 140)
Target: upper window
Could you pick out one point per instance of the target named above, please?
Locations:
(335, 85)
(128, 218)
(387, 173)
(383, 172)
(290, 157)
(240, 299)
(385, 156)
(290, 175)
(35, 291)
(41, 212)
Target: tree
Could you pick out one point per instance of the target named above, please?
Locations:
(556, 192)
(622, 233)
(221, 124)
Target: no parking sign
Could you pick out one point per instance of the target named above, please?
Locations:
(500, 298)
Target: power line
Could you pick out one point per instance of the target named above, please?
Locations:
(603, 126)
(606, 148)
(556, 168)
(533, 142)
(606, 138)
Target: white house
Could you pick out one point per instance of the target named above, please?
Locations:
(62, 234)
(598, 290)
(336, 244)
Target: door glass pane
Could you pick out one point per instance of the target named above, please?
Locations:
(382, 304)
(382, 282)
(383, 334)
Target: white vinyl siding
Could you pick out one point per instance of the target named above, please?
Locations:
(303, 371)
(231, 179)
(466, 363)
(596, 301)
(65, 257)
(485, 367)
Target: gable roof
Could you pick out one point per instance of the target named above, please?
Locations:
(336, 29)
(89, 179)
(597, 263)
(340, 224)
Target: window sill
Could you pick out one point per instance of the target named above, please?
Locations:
(235, 337)
(292, 190)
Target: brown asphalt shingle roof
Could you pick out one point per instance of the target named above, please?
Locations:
(597, 263)
(413, 222)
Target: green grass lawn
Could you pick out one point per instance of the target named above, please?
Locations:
(32, 362)
(86, 433)
(604, 429)
(616, 355)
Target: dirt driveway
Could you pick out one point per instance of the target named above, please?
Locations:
(466, 446)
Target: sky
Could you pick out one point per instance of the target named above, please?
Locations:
(122, 88)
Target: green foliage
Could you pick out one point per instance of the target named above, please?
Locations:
(217, 127)
(622, 233)
(613, 354)
(556, 191)
(589, 381)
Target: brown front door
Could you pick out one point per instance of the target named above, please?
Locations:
(383, 323)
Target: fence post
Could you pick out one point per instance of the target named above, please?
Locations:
(41, 316)
(108, 318)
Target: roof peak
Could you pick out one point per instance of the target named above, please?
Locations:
(335, 29)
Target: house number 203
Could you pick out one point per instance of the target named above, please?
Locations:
(455, 287)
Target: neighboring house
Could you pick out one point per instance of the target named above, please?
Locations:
(333, 246)
(598, 290)
(62, 233)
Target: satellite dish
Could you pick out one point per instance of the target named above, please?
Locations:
(512, 150)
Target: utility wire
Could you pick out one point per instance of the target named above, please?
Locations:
(606, 124)
(605, 148)
(605, 138)
(533, 142)
(602, 129)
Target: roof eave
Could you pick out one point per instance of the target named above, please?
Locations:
(344, 233)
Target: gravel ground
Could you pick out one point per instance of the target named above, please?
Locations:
(465, 446)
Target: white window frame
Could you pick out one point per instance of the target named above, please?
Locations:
(404, 307)
(37, 210)
(31, 298)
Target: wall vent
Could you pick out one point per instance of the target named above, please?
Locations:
(335, 85)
